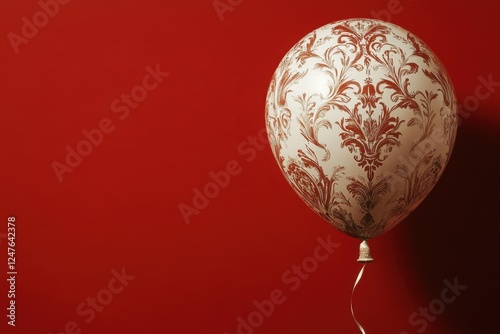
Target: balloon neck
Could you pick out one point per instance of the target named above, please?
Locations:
(364, 252)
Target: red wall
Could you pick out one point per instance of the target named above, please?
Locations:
(104, 248)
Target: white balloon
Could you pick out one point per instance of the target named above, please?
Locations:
(361, 117)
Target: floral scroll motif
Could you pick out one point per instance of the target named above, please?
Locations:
(361, 117)
(371, 140)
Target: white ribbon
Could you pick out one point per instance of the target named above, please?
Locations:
(354, 287)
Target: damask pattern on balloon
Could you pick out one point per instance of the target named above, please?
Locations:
(361, 117)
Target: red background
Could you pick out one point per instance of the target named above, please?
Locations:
(119, 208)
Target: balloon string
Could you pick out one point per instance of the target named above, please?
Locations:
(352, 310)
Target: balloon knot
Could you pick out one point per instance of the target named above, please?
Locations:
(364, 252)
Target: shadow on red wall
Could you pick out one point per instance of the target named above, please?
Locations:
(457, 232)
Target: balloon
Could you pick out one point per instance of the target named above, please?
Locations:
(361, 117)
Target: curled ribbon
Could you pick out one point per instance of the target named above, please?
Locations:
(352, 294)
